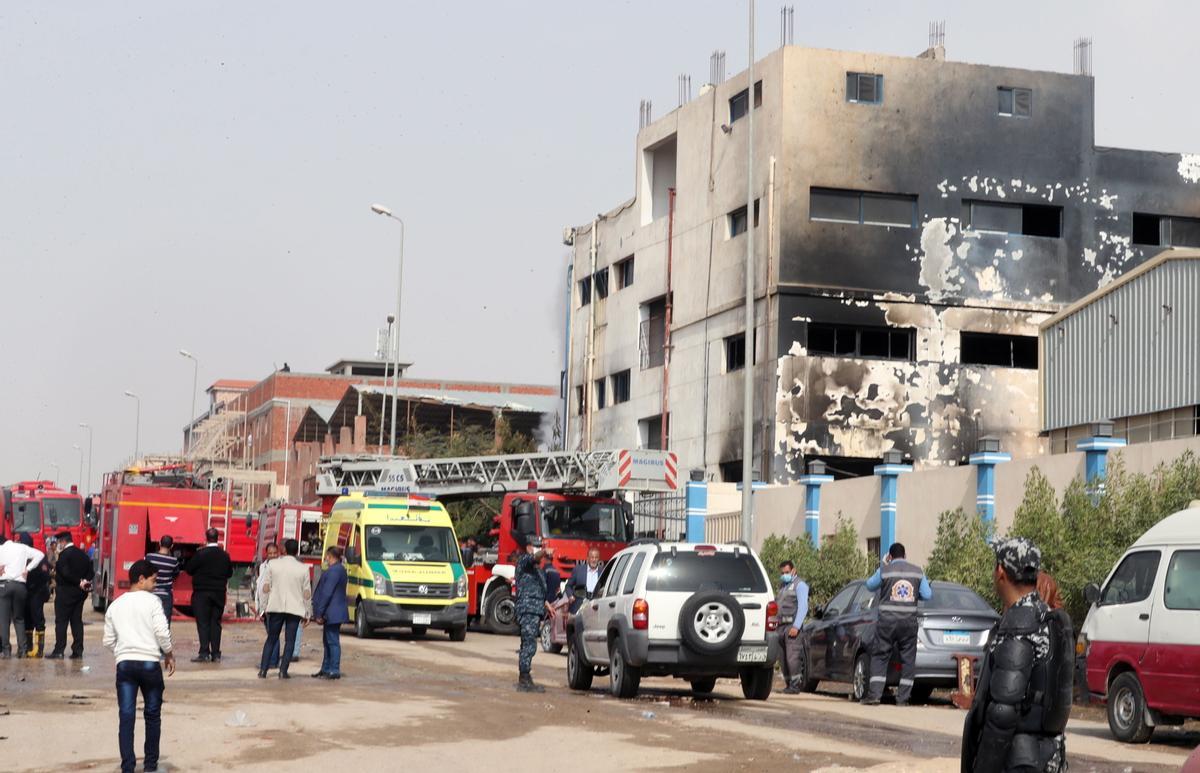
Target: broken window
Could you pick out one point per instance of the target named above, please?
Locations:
(864, 87)
(885, 343)
(739, 103)
(862, 208)
(737, 220)
(620, 387)
(1181, 232)
(1007, 351)
(585, 291)
(600, 401)
(658, 178)
(1016, 219)
(731, 472)
(601, 283)
(580, 401)
(1147, 229)
(1015, 103)
(651, 431)
(652, 333)
(735, 353)
(624, 271)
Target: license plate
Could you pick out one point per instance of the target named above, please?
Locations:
(752, 655)
(956, 637)
(422, 619)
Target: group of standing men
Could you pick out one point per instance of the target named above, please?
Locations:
(25, 581)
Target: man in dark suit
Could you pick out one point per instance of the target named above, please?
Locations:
(73, 573)
(329, 609)
(210, 569)
(583, 580)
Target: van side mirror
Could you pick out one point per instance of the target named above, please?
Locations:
(1091, 593)
(87, 506)
(523, 522)
(352, 555)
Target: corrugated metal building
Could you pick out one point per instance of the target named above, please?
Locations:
(1128, 353)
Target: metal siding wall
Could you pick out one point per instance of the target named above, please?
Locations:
(1148, 361)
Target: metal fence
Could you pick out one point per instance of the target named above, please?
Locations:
(661, 516)
(723, 527)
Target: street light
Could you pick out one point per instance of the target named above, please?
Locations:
(187, 450)
(79, 479)
(57, 471)
(137, 424)
(287, 447)
(88, 427)
(748, 376)
(379, 209)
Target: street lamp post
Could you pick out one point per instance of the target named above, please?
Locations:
(57, 471)
(137, 425)
(88, 427)
(191, 416)
(79, 479)
(748, 375)
(379, 209)
(287, 445)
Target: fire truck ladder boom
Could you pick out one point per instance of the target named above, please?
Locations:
(588, 471)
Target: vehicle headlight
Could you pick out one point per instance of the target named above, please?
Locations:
(381, 584)
(460, 587)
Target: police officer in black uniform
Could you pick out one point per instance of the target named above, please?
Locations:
(73, 573)
(1023, 699)
(900, 584)
(532, 605)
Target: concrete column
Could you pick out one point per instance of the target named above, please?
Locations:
(1095, 449)
(812, 500)
(985, 461)
(891, 469)
(697, 506)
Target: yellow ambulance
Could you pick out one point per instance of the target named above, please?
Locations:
(402, 562)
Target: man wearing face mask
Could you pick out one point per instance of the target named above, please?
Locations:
(793, 608)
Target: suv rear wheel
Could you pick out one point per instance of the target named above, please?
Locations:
(624, 677)
(711, 622)
(1127, 710)
(757, 682)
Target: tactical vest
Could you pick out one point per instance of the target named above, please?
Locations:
(901, 583)
(788, 606)
(1048, 698)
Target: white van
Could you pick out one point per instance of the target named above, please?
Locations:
(1141, 638)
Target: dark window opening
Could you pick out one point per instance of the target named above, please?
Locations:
(731, 472)
(1147, 229)
(601, 283)
(651, 430)
(737, 220)
(883, 343)
(620, 387)
(600, 401)
(739, 102)
(1015, 103)
(1041, 220)
(1182, 232)
(625, 273)
(1015, 219)
(652, 334)
(862, 208)
(864, 87)
(580, 401)
(585, 291)
(1007, 351)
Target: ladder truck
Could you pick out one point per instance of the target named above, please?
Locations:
(572, 499)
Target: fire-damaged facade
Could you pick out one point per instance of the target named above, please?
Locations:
(915, 221)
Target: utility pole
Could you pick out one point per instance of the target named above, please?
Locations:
(748, 369)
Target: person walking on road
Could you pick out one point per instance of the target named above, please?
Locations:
(136, 630)
(17, 560)
(37, 593)
(73, 572)
(584, 577)
(210, 569)
(288, 587)
(329, 609)
(793, 608)
(168, 568)
(1023, 699)
(900, 585)
(531, 606)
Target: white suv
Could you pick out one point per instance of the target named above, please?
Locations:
(695, 612)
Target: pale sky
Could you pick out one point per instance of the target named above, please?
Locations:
(199, 175)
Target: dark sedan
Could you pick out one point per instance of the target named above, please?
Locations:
(837, 638)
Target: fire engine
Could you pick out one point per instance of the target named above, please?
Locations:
(570, 498)
(41, 509)
(139, 505)
(278, 521)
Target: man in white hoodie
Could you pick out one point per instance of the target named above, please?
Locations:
(136, 630)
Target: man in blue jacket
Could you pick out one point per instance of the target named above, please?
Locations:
(329, 609)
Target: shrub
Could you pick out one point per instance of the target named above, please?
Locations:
(827, 570)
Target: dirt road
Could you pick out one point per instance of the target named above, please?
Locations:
(431, 702)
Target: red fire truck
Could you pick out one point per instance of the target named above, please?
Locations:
(569, 498)
(138, 506)
(42, 509)
(278, 521)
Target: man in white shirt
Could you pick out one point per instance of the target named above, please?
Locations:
(584, 578)
(136, 630)
(16, 562)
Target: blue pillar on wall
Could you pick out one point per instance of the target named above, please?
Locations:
(697, 506)
(1095, 449)
(812, 500)
(985, 461)
(891, 469)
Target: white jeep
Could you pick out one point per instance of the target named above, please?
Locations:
(694, 612)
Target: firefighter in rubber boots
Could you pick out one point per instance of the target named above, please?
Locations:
(900, 585)
(532, 606)
(1023, 699)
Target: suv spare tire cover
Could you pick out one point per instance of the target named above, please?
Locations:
(711, 622)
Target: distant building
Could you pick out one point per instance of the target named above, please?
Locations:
(915, 221)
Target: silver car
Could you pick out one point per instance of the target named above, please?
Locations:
(837, 637)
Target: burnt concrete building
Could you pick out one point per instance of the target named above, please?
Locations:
(915, 220)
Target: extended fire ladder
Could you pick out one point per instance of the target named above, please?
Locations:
(585, 471)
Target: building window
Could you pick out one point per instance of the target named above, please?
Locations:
(601, 403)
(884, 343)
(735, 352)
(862, 87)
(580, 401)
(731, 471)
(1014, 219)
(624, 270)
(585, 291)
(1015, 103)
(620, 387)
(1007, 351)
(740, 102)
(601, 283)
(652, 332)
(1165, 230)
(862, 208)
(651, 432)
(737, 220)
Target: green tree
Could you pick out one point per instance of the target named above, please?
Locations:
(839, 560)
